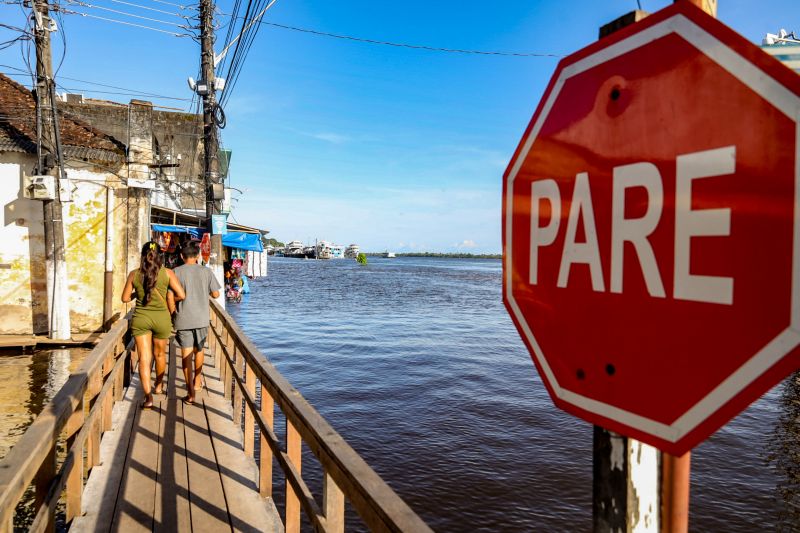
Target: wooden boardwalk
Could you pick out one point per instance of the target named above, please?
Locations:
(189, 467)
(175, 467)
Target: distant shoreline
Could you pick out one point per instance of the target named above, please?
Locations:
(440, 255)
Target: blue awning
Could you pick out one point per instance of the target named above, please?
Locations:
(232, 239)
(243, 241)
(193, 231)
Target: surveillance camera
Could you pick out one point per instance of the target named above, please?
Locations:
(192, 83)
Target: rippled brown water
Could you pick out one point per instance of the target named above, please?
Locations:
(28, 380)
(416, 363)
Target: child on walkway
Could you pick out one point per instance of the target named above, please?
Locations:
(192, 317)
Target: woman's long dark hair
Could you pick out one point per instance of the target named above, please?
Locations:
(149, 267)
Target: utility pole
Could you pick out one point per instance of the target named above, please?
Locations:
(50, 163)
(213, 183)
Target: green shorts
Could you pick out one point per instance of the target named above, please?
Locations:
(158, 323)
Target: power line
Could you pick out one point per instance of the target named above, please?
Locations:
(396, 44)
(128, 91)
(165, 12)
(179, 6)
(106, 19)
(125, 13)
(87, 90)
(407, 45)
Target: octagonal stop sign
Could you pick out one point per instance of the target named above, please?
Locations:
(650, 229)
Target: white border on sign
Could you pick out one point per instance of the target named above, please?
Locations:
(774, 93)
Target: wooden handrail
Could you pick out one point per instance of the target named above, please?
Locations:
(96, 384)
(345, 472)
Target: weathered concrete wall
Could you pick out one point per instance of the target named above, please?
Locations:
(84, 235)
(176, 138)
(140, 156)
(23, 306)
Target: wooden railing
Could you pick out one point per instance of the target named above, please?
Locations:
(73, 421)
(345, 474)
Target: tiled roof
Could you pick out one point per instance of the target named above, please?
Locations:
(18, 128)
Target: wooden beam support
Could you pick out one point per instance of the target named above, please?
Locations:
(265, 466)
(75, 478)
(333, 505)
(294, 452)
(249, 426)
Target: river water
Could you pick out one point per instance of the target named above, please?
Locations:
(415, 362)
(28, 381)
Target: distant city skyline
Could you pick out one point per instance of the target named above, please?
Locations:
(389, 147)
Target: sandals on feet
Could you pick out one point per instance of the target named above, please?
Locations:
(202, 386)
(147, 404)
(188, 400)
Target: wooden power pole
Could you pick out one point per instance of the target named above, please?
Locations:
(213, 180)
(49, 163)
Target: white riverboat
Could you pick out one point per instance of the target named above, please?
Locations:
(352, 251)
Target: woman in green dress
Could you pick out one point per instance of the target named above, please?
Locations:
(151, 325)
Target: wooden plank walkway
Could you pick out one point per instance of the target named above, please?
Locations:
(175, 467)
(42, 341)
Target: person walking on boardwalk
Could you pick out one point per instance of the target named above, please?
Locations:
(151, 325)
(192, 317)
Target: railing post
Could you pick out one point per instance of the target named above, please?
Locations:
(75, 479)
(294, 451)
(249, 422)
(237, 391)
(231, 346)
(265, 467)
(119, 378)
(332, 505)
(212, 339)
(95, 433)
(214, 343)
(108, 399)
(44, 478)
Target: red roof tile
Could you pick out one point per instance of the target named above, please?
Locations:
(18, 126)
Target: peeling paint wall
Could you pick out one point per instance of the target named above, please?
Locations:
(120, 252)
(140, 157)
(84, 235)
(23, 308)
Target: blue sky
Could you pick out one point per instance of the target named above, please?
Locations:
(386, 147)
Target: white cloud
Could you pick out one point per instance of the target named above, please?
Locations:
(377, 219)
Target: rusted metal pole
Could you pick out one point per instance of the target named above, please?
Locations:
(675, 472)
(108, 279)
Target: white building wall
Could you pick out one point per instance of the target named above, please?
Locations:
(23, 308)
(23, 288)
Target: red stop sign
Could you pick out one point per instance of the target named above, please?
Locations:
(650, 229)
